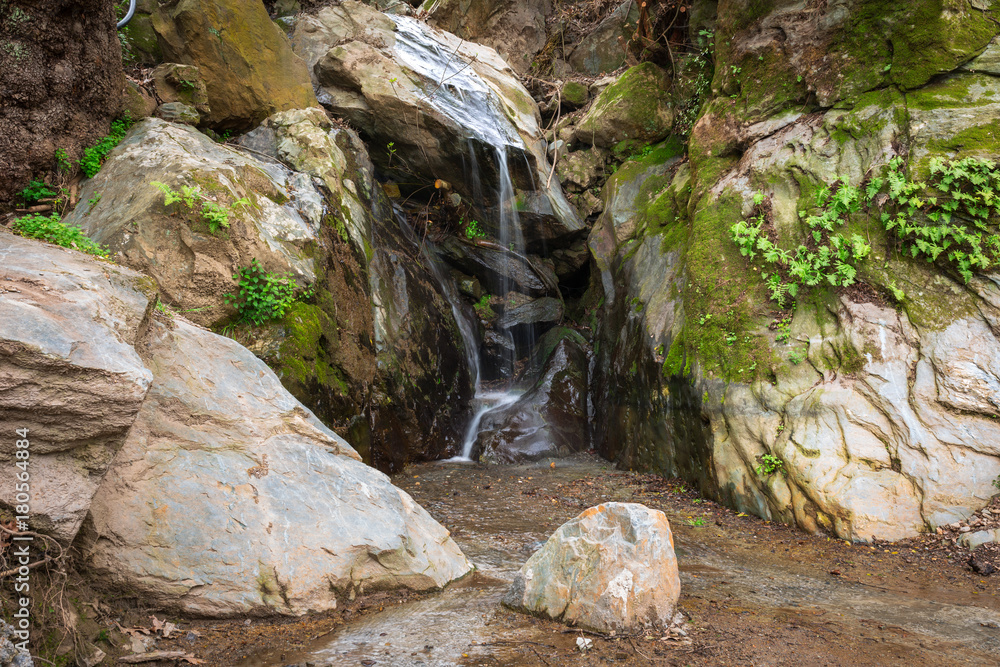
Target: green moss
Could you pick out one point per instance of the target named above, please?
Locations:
(575, 93)
(678, 361)
(302, 359)
(726, 307)
(983, 139)
(960, 91)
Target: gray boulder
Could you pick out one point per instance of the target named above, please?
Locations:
(69, 373)
(230, 497)
(611, 569)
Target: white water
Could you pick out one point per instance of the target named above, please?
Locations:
(455, 90)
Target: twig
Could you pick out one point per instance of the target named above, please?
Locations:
(30, 566)
(539, 656)
(555, 137)
(153, 656)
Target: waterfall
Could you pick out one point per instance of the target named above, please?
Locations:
(456, 91)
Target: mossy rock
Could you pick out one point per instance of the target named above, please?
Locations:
(637, 108)
(838, 54)
(574, 95)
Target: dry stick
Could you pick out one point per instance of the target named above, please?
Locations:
(30, 566)
(539, 656)
(153, 656)
(555, 158)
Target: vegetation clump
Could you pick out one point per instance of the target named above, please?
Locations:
(94, 157)
(215, 215)
(959, 222)
(768, 464)
(473, 230)
(35, 191)
(831, 258)
(263, 296)
(51, 229)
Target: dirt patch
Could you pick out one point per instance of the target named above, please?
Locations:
(61, 73)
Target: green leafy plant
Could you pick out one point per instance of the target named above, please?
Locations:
(996, 483)
(94, 157)
(960, 223)
(51, 229)
(831, 259)
(483, 308)
(390, 150)
(63, 163)
(796, 357)
(36, 190)
(697, 522)
(474, 231)
(263, 295)
(784, 328)
(215, 215)
(768, 464)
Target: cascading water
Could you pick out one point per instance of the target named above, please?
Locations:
(457, 92)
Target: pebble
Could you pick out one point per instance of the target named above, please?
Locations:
(964, 529)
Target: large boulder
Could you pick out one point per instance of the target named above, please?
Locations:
(61, 73)
(121, 208)
(635, 109)
(245, 59)
(438, 108)
(515, 28)
(229, 497)
(611, 569)
(548, 420)
(69, 373)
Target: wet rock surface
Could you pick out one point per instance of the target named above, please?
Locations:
(549, 419)
(815, 600)
(383, 74)
(611, 569)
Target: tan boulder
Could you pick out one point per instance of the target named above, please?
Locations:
(245, 59)
(612, 568)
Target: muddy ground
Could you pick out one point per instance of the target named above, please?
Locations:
(784, 598)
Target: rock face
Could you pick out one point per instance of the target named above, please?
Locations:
(601, 50)
(68, 373)
(10, 655)
(247, 65)
(382, 74)
(876, 399)
(217, 464)
(515, 28)
(61, 73)
(550, 419)
(379, 355)
(193, 266)
(611, 569)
